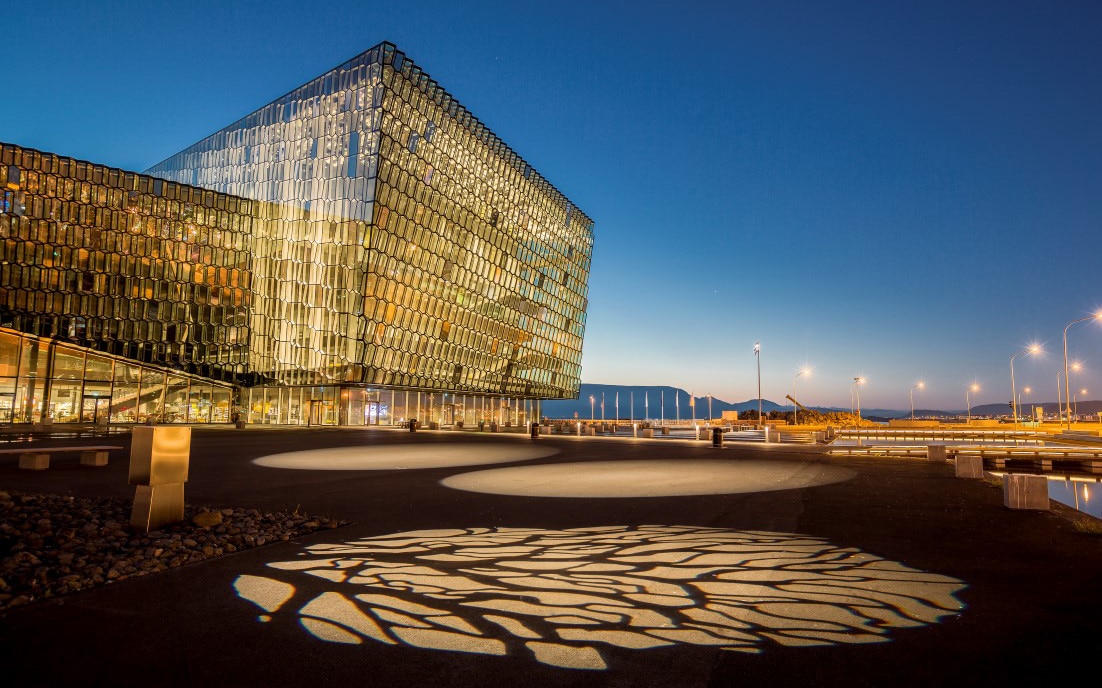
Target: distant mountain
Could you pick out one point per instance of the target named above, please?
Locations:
(649, 402)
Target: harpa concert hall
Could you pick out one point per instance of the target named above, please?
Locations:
(360, 251)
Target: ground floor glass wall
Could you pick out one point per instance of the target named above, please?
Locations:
(360, 406)
(43, 380)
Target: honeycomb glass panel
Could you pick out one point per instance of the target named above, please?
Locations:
(363, 230)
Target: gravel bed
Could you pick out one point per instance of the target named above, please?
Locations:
(53, 545)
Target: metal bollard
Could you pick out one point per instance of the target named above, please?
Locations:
(535, 430)
(717, 437)
(159, 458)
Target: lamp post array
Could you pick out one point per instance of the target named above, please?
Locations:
(1067, 403)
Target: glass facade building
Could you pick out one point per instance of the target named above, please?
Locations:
(361, 250)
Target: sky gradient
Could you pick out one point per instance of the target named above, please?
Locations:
(901, 191)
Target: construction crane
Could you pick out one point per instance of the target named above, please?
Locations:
(801, 406)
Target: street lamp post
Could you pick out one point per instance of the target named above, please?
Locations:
(920, 385)
(968, 400)
(1059, 400)
(1067, 388)
(1033, 349)
(795, 408)
(857, 386)
(591, 408)
(757, 355)
(1084, 393)
(709, 409)
(1076, 367)
(1027, 391)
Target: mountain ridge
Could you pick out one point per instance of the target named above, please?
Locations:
(648, 404)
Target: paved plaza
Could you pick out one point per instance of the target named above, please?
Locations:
(479, 559)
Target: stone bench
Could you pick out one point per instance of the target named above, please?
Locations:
(39, 459)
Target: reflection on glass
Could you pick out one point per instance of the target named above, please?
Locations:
(405, 244)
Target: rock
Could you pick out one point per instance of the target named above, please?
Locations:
(207, 519)
(92, 545)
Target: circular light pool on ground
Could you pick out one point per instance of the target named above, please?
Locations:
(648, 478)
(391, 457)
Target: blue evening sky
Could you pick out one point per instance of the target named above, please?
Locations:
(903, 191)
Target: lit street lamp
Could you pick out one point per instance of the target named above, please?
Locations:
(1084, 393)
(796, 409)
(1076, 367)
(757, 355)
(857, 386)
(968, 399)
(1067, 387)
(1032, 350)
(920, 385)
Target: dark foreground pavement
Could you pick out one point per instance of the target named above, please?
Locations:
(896, 574)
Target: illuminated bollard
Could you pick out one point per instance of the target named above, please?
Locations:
(159, 457)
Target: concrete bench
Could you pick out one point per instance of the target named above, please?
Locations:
(39, 459)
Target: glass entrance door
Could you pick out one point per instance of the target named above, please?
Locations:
(94, 409)
(7, 404)
(321, 412)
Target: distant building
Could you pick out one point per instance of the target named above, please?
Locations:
(361, 250)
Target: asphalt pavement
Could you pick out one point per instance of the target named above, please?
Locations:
(744, 565)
